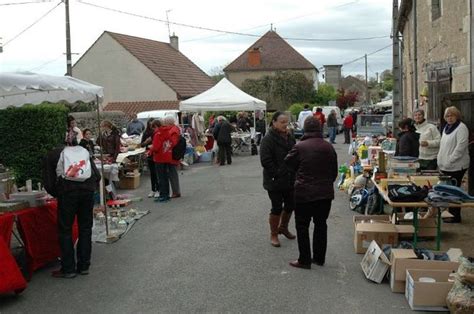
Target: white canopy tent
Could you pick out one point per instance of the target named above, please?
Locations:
(384, 103)
(17, 89)
(224, 96)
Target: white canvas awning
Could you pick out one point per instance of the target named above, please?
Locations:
(224, 96)
(17, 89)
(385, 103)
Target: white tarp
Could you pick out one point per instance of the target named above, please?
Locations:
(17, 89)
(224, 96)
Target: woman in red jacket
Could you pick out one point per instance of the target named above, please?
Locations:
(164, 139)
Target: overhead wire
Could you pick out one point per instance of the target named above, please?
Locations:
(46, 63)
(31, 25)
(26, 2)
(225, 31)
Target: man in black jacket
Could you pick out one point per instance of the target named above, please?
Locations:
(74, 199)
(222, 134)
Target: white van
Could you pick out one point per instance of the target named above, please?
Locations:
(327, 110)
(158, 114)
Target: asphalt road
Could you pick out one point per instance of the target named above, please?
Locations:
(209, 251)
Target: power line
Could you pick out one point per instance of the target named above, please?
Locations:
(27, 2)
(44, 64)
(34, 23)
(225, 31)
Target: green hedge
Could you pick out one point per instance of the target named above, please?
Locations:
(27, 134)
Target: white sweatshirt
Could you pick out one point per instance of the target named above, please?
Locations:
(453, 152)
(428, 132)
(302, 116)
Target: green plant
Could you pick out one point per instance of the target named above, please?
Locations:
(324, 94)
(295, 109)
(28, 133)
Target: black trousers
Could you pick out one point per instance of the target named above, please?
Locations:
(428, 164)
(155, 186)
(458, 175)
(72, 204)
(347, 135)
(319, 212)
(225, 153)
(163, 171)
(282, 200)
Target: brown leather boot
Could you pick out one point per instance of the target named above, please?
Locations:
(274, 220)
(283, 229)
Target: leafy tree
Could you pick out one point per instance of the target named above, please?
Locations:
(387, 80)
(324, 94)
(346, 99)
(295, 109)
(217, 73)
(281, 90)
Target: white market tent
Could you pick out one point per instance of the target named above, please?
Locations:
(17, 89)
(224, 96)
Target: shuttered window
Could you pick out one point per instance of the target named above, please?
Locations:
(439, 84)
(435, 9)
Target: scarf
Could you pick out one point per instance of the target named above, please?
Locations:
(449, 128)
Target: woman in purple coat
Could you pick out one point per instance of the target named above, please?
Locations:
(315, 163)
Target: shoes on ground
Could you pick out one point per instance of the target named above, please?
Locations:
(151, 194)
(60, 274)
(83, 272)
(156, 194)
(298, 265)
(163, 199)
(176, 195)
(319, 263)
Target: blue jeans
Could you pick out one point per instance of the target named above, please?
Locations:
(332, 134)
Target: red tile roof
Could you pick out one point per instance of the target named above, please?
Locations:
(134, 107)
(276, 54)
(170, 65)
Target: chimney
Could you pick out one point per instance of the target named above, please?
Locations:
(333, 75)
(254, 58)
(174, 42)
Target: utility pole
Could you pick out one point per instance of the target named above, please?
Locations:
(397, 106)
(367, 97)
(168, 22)
(415, 55)
(68, 41)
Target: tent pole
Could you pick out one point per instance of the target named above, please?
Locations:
(103, 193)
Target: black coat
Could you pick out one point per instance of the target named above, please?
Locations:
(315, 162)
(222, 133)
(273, 150)
(408, 144)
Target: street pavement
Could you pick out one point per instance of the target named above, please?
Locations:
(209, 251)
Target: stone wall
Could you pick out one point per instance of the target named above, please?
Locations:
(88, 120)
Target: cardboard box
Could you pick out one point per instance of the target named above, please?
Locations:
(130, 182)
(403, 259)
(375, 264)
(427, 296)
(368, 218)
(426, 226)
(384, 234)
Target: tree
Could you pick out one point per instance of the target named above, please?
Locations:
(324, 94)
(346, 99)
(217, 73)
(387, 80)
(281, 90)
(295, 109)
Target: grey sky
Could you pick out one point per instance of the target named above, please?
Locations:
(41, 47)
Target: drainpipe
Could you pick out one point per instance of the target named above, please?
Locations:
(415, 53)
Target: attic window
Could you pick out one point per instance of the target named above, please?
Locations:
(435, 9)
(254, 57)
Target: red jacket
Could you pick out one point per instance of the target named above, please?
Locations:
(348, 122)
(164, 139)
(321, 117)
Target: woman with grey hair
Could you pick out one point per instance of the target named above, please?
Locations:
(453, 155)
(429, 141)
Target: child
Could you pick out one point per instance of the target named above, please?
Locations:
(87, 141)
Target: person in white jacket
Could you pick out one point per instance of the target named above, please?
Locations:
(429, 141)
(453, 155)
(303, 115)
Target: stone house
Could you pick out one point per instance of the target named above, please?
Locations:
(139, 73)
(353, 84)
(266, 57)
(435, 52)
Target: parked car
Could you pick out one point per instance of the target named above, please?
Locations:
(370, 124)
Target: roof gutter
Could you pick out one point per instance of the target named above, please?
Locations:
(405, 9)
